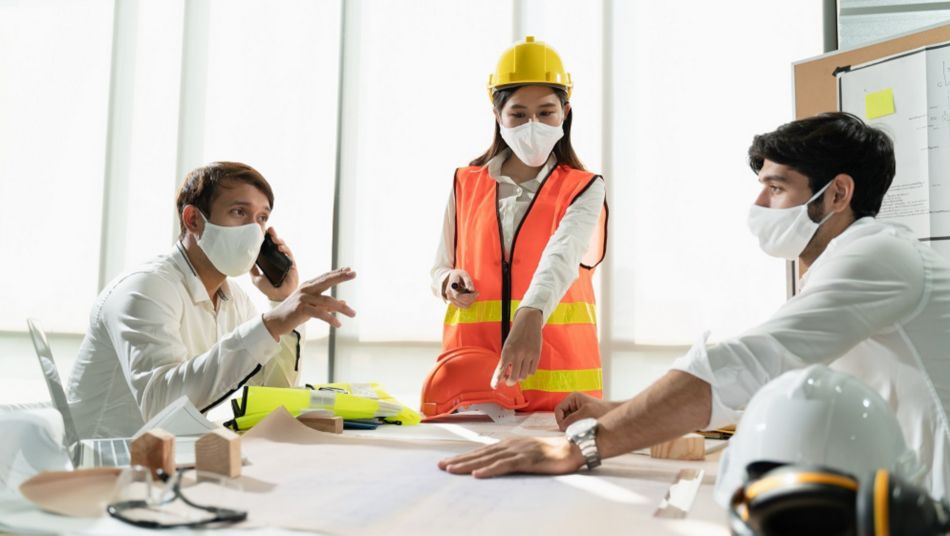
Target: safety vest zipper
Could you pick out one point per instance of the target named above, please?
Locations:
(505, 277)
(506, 265)
(505, 300)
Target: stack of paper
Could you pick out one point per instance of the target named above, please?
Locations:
(180, 418)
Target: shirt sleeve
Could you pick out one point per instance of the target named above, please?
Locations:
(561, 259)
(283, 368)
(143, 320)
(873, 285)
(445, 255)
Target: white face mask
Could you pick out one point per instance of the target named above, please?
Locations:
(532, 142)
(232, 250)
(784, 232)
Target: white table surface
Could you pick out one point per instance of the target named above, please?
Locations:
(704, 518)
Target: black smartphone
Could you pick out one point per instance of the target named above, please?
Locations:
(272, 262)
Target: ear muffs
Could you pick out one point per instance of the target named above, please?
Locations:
(780, 500)
(794, 500)
(888, 506)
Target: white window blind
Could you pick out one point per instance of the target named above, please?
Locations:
(54, 95)
(693, 82)
(270, 100)
(415, 108)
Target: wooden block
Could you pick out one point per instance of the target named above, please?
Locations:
(154, 449)
(333, 425)
(219, 452)
(688, 447)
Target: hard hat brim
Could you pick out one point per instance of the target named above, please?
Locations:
(566, 89)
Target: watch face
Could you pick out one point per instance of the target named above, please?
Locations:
(581, 426)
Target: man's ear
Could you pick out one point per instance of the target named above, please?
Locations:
(842, 189)
(192, 220)
(567, 109)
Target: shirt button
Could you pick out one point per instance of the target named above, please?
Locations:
(519, 190)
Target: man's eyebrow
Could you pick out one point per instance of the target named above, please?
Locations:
(244, 204)
(774, 178)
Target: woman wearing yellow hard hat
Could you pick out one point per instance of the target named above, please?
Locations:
(524, 228)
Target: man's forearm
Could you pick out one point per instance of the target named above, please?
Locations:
(676, 404)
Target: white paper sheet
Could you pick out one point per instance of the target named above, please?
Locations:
(920, 128)
(180, 418)
(307, 480)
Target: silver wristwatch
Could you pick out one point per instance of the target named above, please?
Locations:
(583, 433)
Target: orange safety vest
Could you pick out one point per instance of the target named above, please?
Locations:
(570, 355)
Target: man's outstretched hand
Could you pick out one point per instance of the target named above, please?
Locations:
(554, 456)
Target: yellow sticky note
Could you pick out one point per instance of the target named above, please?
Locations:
(879, 103)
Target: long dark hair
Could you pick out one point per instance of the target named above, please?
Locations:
(563, 150)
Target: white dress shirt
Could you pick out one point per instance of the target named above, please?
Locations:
(155, 335)
(875, 304)
(562, 256)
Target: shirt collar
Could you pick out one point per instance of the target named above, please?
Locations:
(193, 283)
(494, 168)
(862, 227)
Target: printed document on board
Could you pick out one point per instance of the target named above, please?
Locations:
(908, 96)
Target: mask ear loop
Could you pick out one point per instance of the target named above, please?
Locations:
(815, 197)
(202, 214)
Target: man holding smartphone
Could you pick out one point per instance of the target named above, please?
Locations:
(176, 326)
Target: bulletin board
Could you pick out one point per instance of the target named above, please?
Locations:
(907, 95)
(816, 84)
(815, 81)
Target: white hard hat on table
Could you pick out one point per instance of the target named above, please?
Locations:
(819, 417)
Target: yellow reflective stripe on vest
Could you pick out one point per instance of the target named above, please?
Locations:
(490, 311)
(263, 400)
(480, 311)
(405, 417)
(350, 407)
(246, 422)
(260, 399)
(573, 313)
(564, 381)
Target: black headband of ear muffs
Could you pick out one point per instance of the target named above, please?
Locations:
(794, 500)
(779, 500)
(889, 506)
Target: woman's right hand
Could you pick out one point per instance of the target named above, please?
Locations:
(465, 294)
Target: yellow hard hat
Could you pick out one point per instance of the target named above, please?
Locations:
(529, 62)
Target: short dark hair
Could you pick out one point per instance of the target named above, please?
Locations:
(200, 187)
(823, 146)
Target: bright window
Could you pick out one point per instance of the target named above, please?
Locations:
(54, 97)
(416, 108)
(667, 98)
(693, 82)
(270, 100)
